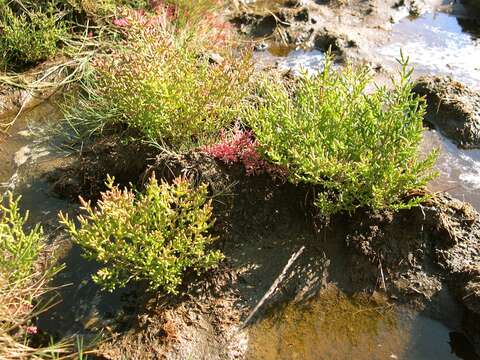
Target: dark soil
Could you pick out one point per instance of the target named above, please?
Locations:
(473, 6)
(417, 257)
(107, 156)
(453, 108)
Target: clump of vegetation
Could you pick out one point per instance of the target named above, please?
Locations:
(31, 31)
(23, 281)
(19, 249)
(155, 236)
(361, 148)
(29, 37)
(164, 89)
(96, 9)
(240, 146)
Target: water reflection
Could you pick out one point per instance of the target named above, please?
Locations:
(334, 326)
(459, 169)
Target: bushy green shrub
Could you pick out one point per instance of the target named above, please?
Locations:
(155, 236)
(23, 284)
(28, 37)
(32, 29)
(19, 250)
(361, 147)
(164, 89)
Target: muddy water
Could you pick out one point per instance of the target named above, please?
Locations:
(334, 326)
(16, 145)
(303, 60)
(436, 43)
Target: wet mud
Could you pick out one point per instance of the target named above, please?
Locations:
(424, 260)
(453, 108)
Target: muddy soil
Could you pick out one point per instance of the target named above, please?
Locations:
(453, 108)
(473, 6)
(350, 29)
(15, 99)
(439, 37)
(425, 258)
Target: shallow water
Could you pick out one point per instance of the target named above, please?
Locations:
(334, 326)
(302, 60)
(17, 144)
(294, 59)
(459, 170)
(437, 44)
(26, 155)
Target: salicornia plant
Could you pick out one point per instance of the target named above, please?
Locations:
(155, 236)
(24, 278)
(28, 37)
(361, 147)
(19, 249)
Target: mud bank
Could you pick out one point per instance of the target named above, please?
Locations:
(453, 108)
(425, 258)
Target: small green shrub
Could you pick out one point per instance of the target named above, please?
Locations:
(23, 284)
(28, 37)
(361, 147)
(19, 250)
(164, 90)
(155, 236)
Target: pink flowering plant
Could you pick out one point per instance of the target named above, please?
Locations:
(240, 146)
(161, 15)
(179, 16)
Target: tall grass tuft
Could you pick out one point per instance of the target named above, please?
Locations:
(165, 88)
(361, 148)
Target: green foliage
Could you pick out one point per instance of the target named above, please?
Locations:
(163, 89)
(100, 8)
(360, 146)
(23, 284)
(155, 236)
(32, 29)
(29, 37)
(19, 250)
